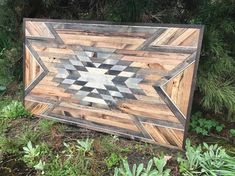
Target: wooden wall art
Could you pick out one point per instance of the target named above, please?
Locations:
(133, 80)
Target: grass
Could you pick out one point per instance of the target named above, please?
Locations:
(60, 150)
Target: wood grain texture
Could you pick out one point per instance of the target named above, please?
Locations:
(32, 68)
(175, 88)
(130, 80)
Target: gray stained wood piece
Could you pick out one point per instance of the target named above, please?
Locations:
(132, 80)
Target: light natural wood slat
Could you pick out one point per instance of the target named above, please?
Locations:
(53, 50)
(156, 134)
(97, 118)
(32, 68)
(153, 60)
(167, 136)
(38, 29)
(178, 37)
(36, 108)
(156, 111)
(175, 88)
(97, 38)
(50, 91)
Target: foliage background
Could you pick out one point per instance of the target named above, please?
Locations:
(215, 94)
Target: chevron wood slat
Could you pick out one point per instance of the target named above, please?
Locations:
(131, 80)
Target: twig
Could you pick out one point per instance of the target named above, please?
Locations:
(219, 137)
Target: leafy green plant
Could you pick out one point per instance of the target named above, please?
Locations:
(204, 126)
(73, 161)
(232, 132)
(160, 164)
(59, 165)
(45, 125)
(27, 134)
(216, 161)
(4, 124)
(14, 110)
(14, 144)
(30, 151)
(110, 145)
(190, 165)
(40, 166)
(2, 88)
(127, 171)
(113, 160)
(84, 145)
(206, 160)
(33, 156)
(69, 151)
(158, 169)
(8, 145)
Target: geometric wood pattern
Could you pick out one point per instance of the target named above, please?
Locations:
(133, 80)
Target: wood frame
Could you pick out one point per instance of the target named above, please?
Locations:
(142, 126)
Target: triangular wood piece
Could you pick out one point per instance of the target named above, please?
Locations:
(32, 68)
(178, 89)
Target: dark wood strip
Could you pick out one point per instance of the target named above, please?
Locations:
(105, 28)
(172, 49)
(57, 37)
(161, 122)
(140, 127)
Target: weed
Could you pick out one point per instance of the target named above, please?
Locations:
(45, 125)
(13, 144)
(60, 166)
(33, 154)
(204, 126)
(28, 134)
(115, 138)
(84, 146)
(232, 132)
(158, 169)
(127, 171)
(14, 110)
(73, 162)
(9, 145)
(2, 89)
(110, 145)
(40, 166)
(4, 102)
(206, 160)
(160, 164)
(113, 160)
(4, 125)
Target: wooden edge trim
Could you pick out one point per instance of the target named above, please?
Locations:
(199, 47)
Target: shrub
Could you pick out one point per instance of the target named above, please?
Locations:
(217, 65)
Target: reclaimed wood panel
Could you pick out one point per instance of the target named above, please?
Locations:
(132, 80)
